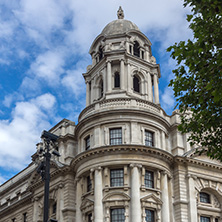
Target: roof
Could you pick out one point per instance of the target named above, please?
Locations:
(119, 26)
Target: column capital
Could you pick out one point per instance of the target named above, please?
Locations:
(77, 179)
(189, 176)
(108, 61)
(132, 165)
(99, 168)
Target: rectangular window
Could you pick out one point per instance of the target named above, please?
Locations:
(149, 215)
(54, 208)
(25, 217)
(89, 218)
(204, 219)
(149, 138)
(115, 136)
(87, 142)
(117, 215)
(116, 178)
(131, 49)
(149, 179)
(142, 54)
(89, 184)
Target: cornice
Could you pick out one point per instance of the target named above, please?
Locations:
(98, 113)
(189, 161)
(60, 171)
(18, 203)
(134, 149)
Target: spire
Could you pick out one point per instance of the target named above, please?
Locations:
(120, 13)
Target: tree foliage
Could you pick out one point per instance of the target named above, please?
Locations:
(198, 77)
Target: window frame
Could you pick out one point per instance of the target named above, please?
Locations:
(88, 184)
(149, 180)
(116, 80)
(149, 139)
(205, 198)
(89, 217)
(118, 215)
(115, 179)
(205, 217)
(113, 139)
(152, 215)
(136, 49)
(87, 142)
(136, 84)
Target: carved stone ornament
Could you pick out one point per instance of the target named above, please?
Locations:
(120, 13)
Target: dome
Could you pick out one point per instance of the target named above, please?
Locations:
(119, 26)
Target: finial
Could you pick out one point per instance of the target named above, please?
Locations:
(120, 13)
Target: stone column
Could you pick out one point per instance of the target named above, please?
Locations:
(156, 89)
(78, 200)
(135, 193)
(87, 94)
(165, 198)
(192, 199)
(122, 77)
(98, 194)
(109, 77)
(150, 88)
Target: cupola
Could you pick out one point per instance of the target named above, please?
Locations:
(122, 64)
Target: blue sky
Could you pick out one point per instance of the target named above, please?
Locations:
(44, 48)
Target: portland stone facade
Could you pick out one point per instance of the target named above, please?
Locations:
(125, 160)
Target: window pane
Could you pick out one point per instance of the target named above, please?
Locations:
(116, 178)
(149, 180)
(87, 142)
(204, 219)
(149, 215)
(117, 215)
(136, 84)
(136, 49)
(89, 184)
(148, 138)
(204, 197)
(117, 80)
(115, 136)
(89, 218)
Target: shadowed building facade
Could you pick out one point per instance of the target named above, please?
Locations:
(125, 160)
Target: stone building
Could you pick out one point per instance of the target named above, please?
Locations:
(125, 160)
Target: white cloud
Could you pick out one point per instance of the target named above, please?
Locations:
(74, 82)
(19, 135)
(48, 66)
(167, 99)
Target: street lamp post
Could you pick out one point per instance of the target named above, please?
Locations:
(49, 144)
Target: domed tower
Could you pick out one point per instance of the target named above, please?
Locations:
(122, 65)
(123, 165)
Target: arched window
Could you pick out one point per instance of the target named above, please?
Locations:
(136, 49)
(116, 80)
(204, 197)
(101, 88)
(136, 84)
(100, 53)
